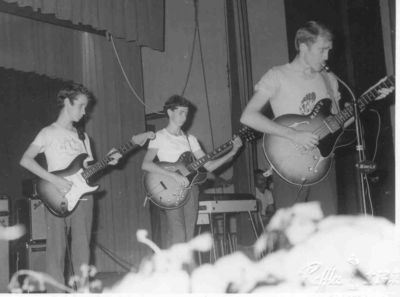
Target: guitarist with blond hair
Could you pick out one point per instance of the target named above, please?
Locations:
(299, 142)
(61, 142)
(169, 144)
(295, 88)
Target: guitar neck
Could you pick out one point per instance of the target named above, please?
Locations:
(210, 156)
(365, 99)
(93, 169)
(245, 134)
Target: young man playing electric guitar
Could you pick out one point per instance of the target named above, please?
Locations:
(170, 143)
(300, 141)
(61, 144)
(295, 88)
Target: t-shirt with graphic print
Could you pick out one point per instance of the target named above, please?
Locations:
(61, 146)
(291, 92)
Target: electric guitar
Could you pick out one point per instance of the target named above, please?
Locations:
(299, 166)
(63, 204)
(166, 193)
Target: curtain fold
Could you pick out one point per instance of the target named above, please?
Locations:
(241, 86)
(133, 20)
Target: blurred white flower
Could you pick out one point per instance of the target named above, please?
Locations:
(11, 233)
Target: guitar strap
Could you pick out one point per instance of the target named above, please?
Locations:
(83, 141)
(329, 88)
(187, 138)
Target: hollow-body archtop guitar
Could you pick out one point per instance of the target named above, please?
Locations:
(306, 167)
(166, 193)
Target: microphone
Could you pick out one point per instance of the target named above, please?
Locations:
(326, 68)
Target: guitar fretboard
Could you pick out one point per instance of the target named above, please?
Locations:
(214, 154)
(245, 134)
(93, 169)
(364, 100)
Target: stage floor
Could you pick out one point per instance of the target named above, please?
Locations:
(108, 279)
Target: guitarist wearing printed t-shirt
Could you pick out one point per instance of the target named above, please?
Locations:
(61, 143)
(169, 144)
(295, 88)
(304, 90)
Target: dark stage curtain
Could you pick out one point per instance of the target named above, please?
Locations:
(241, 85)
(133, 20)
(60, 53)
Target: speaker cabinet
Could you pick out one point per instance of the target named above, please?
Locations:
(29, 251)
(31, 256)
(35, 256)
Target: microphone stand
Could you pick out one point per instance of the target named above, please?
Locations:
(363, 166)
(361, 160)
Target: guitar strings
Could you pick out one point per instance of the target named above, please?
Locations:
(321, 130)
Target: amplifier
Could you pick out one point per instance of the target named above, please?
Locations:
(29, 187)
(4, 205)
(4, 252)
(30, 212)
(38, 227)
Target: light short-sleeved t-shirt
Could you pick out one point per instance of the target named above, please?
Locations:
(170, 147)
(290, 92)
(265, 199)
(61, 146)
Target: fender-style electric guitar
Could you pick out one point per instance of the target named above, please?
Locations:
(63, 204)
(306, 167)
(166, 193)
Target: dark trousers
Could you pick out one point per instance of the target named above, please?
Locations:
(286, 194)
(182, 221)
(79, 223)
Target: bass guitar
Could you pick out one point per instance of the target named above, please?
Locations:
(166, 193)
(306, 167)
(63, 204)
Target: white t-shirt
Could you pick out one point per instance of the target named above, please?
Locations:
(290, 92)
(170, 147)
(61, 146)
(265, 199)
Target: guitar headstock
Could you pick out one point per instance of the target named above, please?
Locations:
(382, 88)
(247, 134)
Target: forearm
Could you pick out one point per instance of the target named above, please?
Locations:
(34, 167)
(214, 164)
(259, 122)
(154, 168)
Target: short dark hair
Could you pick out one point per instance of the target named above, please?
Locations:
(72, 91)
(309, 32)
(258, 172)
(176, 101)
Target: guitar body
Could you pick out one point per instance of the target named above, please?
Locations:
(306, 167)
(61, 204)
(164, 191)
(297, 165)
